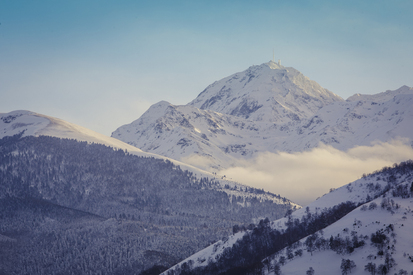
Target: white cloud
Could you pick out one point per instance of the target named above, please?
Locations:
(304, 176)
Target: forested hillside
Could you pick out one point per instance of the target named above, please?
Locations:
(376, 207)
(69, 207)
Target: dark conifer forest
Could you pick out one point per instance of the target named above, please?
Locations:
(70, 207)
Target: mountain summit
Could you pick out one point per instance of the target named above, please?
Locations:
(268, 92)
(267, 108)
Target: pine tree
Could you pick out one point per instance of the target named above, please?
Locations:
(346, 266)
(310, 271)
(370, 267)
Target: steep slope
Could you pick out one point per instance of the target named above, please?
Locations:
(268, 92)
(381, 97)
(26, 123)
(72, 200)
(382, 117)
(76, 207)
(369, 220)
(376, 239)
(35, 124)
(229, 118)
(213, 141)
(184, 131)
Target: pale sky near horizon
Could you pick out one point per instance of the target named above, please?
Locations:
(101, 64)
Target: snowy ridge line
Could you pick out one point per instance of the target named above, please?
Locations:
(34, 124)
(394, 222)
(213, 125)
(381, 97)
(253, 93)
(268, 108)
(149, 204)
(359, 192)
(29, 123)
(262, 197)
(235, 189)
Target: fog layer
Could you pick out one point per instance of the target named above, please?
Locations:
(304, 176)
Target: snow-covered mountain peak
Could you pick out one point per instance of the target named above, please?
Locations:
(267, 92)
(19, 121)
(267, 108)
(382, 97)
(162, 104)
(265, 67)
(29, 123)
(158, 110)
(18, 113)
(273, 65)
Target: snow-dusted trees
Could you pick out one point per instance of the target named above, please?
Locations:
(310, 242)
(77, 207)
(261, 240)
(370, 267)
(310, 271)
(378, 238)
(372, 205)
(401, 190)
(276, 269)
(382, 269)
(346, 266)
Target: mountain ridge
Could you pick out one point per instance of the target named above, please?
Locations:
(390, 189)
(87, 178)
(266, 92)
(228, 122)
(27, 123)
(76, 206)
(35, 124)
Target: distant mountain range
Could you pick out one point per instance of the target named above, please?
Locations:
(73, 201)
(267, 108)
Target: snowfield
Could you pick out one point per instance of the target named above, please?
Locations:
(361, 223)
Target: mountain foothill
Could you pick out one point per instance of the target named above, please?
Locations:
(148, 199)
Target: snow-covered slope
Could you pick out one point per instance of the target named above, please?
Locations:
(33, 124)
(395, 223)
(212, 140)
(268, 92)
(381, 97)
(383, 202)
(235, 117)
(159, 211)
(370, 118)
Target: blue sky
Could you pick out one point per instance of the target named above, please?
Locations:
(101, 64)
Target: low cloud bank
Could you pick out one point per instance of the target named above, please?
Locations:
(304, 176)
